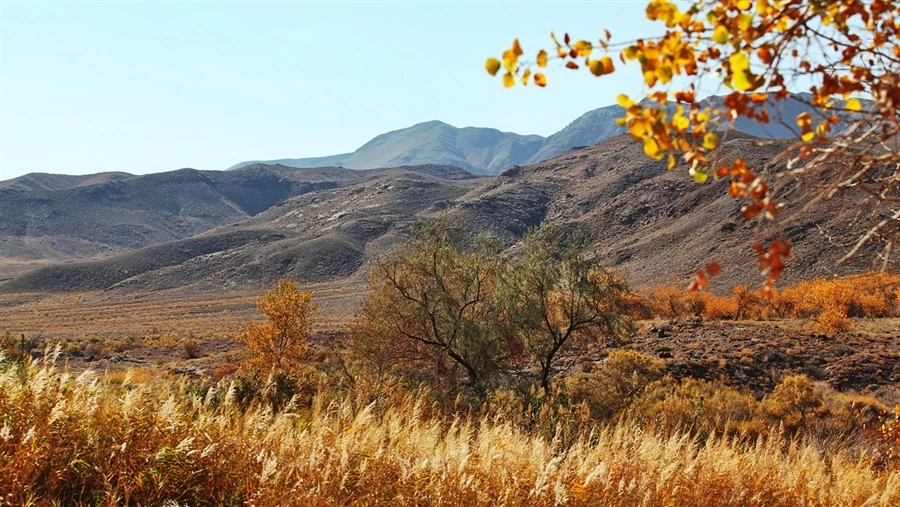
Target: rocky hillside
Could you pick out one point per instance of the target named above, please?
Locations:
(45, 217)
(653, 224)
(324, 234)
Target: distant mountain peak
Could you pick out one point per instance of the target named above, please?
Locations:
(483, 150)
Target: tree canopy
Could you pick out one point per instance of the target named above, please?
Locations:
(845, 52)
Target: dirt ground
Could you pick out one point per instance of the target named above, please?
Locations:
(111, 331)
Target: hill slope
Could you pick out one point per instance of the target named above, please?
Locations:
(653, 224)
(324, 234)
(68, 217)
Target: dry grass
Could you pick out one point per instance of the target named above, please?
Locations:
(85, 440)
(114, 315)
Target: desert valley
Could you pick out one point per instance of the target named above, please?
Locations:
(684, 298)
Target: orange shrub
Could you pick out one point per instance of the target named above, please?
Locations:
(720, 308)
(828, 303)
(282, 341)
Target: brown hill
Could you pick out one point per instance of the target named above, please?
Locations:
(655, 225)
(76, 217)
(323, 234)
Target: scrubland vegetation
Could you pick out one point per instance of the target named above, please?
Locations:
(468, 377)
(637, 438)
(829, 304)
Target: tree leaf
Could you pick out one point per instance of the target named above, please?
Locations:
(700, 175)
(508, 80)
(492, 66)
(853, 105)
(583, 48)
(542, 58)
(540, 79)
(651, 148)
(720, 35)
(710, 141)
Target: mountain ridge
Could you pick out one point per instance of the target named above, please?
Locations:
(488, 151)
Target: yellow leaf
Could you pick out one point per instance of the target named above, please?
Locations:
(621, 122)
(808, 136)
(671, 161)
(508, 80)
(710, 140)
(744, 4)
(583, 48)
(699, 175)
(651, 148)
(601, 66)
(525, 76)
(720, 35)
(509, 60)
(542, 58)
(631, 52)
(738, 62)
(492, 66)
(608, 67)
(681, 123)
(540, 79)
(853, 105)
(745, 81)
(624, 101)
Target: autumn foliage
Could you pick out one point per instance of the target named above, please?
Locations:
(829, 304)
(281, 342)
(846, 51)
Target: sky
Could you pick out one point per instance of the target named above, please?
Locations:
(146, 87)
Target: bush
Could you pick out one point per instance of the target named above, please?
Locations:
(793, 401)
(611, 386)
(698, 407)
(281, 342)
(190, 349)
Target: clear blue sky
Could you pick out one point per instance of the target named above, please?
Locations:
(147, 87)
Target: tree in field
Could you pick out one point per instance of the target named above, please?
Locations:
(432, 311)
(563, 302)
(281, 342)
(845, 52)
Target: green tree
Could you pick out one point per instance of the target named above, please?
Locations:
(563, 302)
(432, 310)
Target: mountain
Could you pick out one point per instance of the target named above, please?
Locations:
(587, 130)
(489, 151)
(46, 181)
(654, 225)
(324, 234)
(477, 150)
(303, 163)
(42, 217)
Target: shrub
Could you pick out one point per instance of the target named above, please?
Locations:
(699, 407)
(794, 399)
(281, 342)
(611, 386)
(190, 349)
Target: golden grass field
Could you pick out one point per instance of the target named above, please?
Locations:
(83, 440)
(112, 315)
